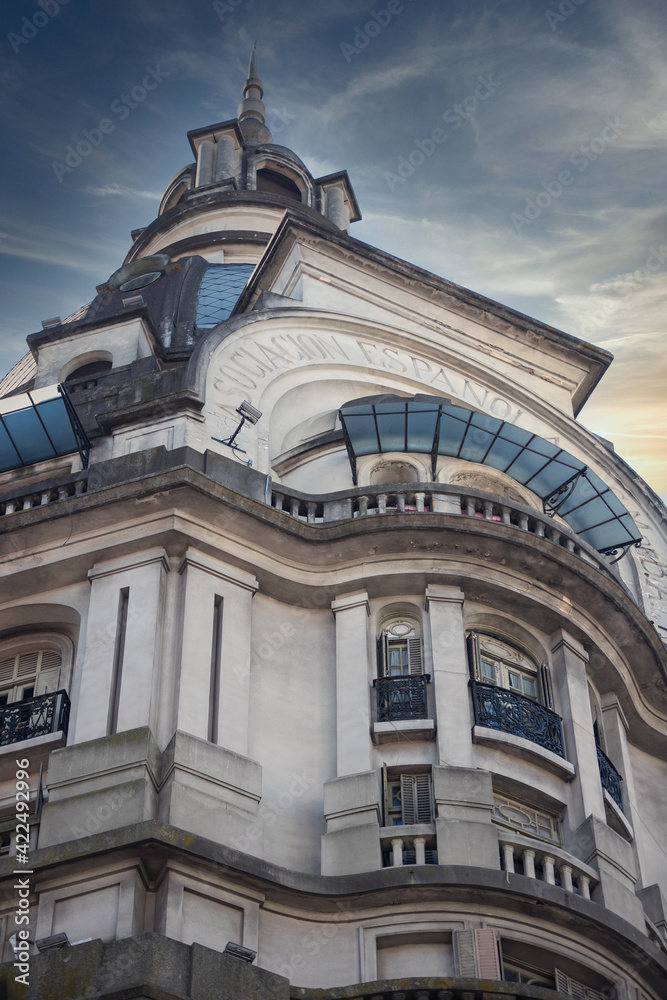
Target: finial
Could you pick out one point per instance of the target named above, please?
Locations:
(251, 113)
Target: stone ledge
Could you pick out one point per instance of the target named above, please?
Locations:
(157, 843)
(403, 730)
(518, 746)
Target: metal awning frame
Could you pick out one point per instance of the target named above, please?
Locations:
(552, 502)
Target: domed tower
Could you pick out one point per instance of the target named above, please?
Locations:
(332, 646)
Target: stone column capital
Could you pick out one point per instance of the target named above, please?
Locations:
(349, 601)
(437, 593)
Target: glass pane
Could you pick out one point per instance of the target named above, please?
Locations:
(9, 458)
(361, 429)
(502, 454)
(476, 444)
(529, 687)
(57, 422)
(28, 436)
(392, 430)
(421, 430)
(451, 434)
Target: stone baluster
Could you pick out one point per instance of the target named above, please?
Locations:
(508, 857)
(80, 487)
(382, 503)
(294, 507)
(397, 852)
(45, 498)
(584, 886)
(505, 515)
(10, 506)
(27, 503)
(488, 510)
(548, 868)
(312, 512)
(400, 502)
(523, 521)
(539, 529)
(470, 506)
(529, 863)
(566, 877)
(420, 850)
(419, 502)
(363, 506)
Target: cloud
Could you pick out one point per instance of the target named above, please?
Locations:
(107, 190)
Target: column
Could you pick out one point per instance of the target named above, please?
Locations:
(209, 584)
(569, 660)
(450, 675)
(120, 676)
(353, 679)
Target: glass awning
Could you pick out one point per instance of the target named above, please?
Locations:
(435, 426)
(38, 425)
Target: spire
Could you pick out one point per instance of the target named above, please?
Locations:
(251, 106)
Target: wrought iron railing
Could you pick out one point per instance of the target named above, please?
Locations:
(39, 716)
(610, 778)
(401, 698)
(509, 712)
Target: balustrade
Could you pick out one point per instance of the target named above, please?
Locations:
(610, 778)
(39, 496)
(509, 712)
(374, 501)
(550, 865)
(39, 716)
(401, 697)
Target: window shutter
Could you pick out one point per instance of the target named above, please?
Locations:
(464, 954)
(423, 811)
(407, 799)
(571, 988)
(27, 665)
(488, 953)
(7, 670)
(49, 672)
(385, 794)
(383, 655)
(547, 690)
(472, 642)
(415, 656)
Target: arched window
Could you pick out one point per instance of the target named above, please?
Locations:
(400, 651)
(496, 661)
(33, 702)
(88, 370)
(28, 673)
(277, 183)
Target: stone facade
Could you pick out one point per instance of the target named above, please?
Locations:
(381, 717)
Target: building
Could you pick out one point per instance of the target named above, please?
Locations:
(325, 628)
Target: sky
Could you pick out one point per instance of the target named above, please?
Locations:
(516, 147)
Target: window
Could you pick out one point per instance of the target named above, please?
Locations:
(31, 701)
(527, 976)
(88, 370)
(401, 683)
(408, 799)
(494, 661)
(400, 648)
(277, 183)
(527, 820)
(571, 988)
(29, 673)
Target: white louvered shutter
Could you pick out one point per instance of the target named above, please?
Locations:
(472, 644)
(415, 656)
(408, 799)
(49, 672)
(464, 954)
(571, 988)
(487, 947)
(423, 810)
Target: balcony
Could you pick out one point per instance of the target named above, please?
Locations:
(610, 778)
(424, 499)
(402, 709)
(43, 715)
(401, 697)
(509, 712)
